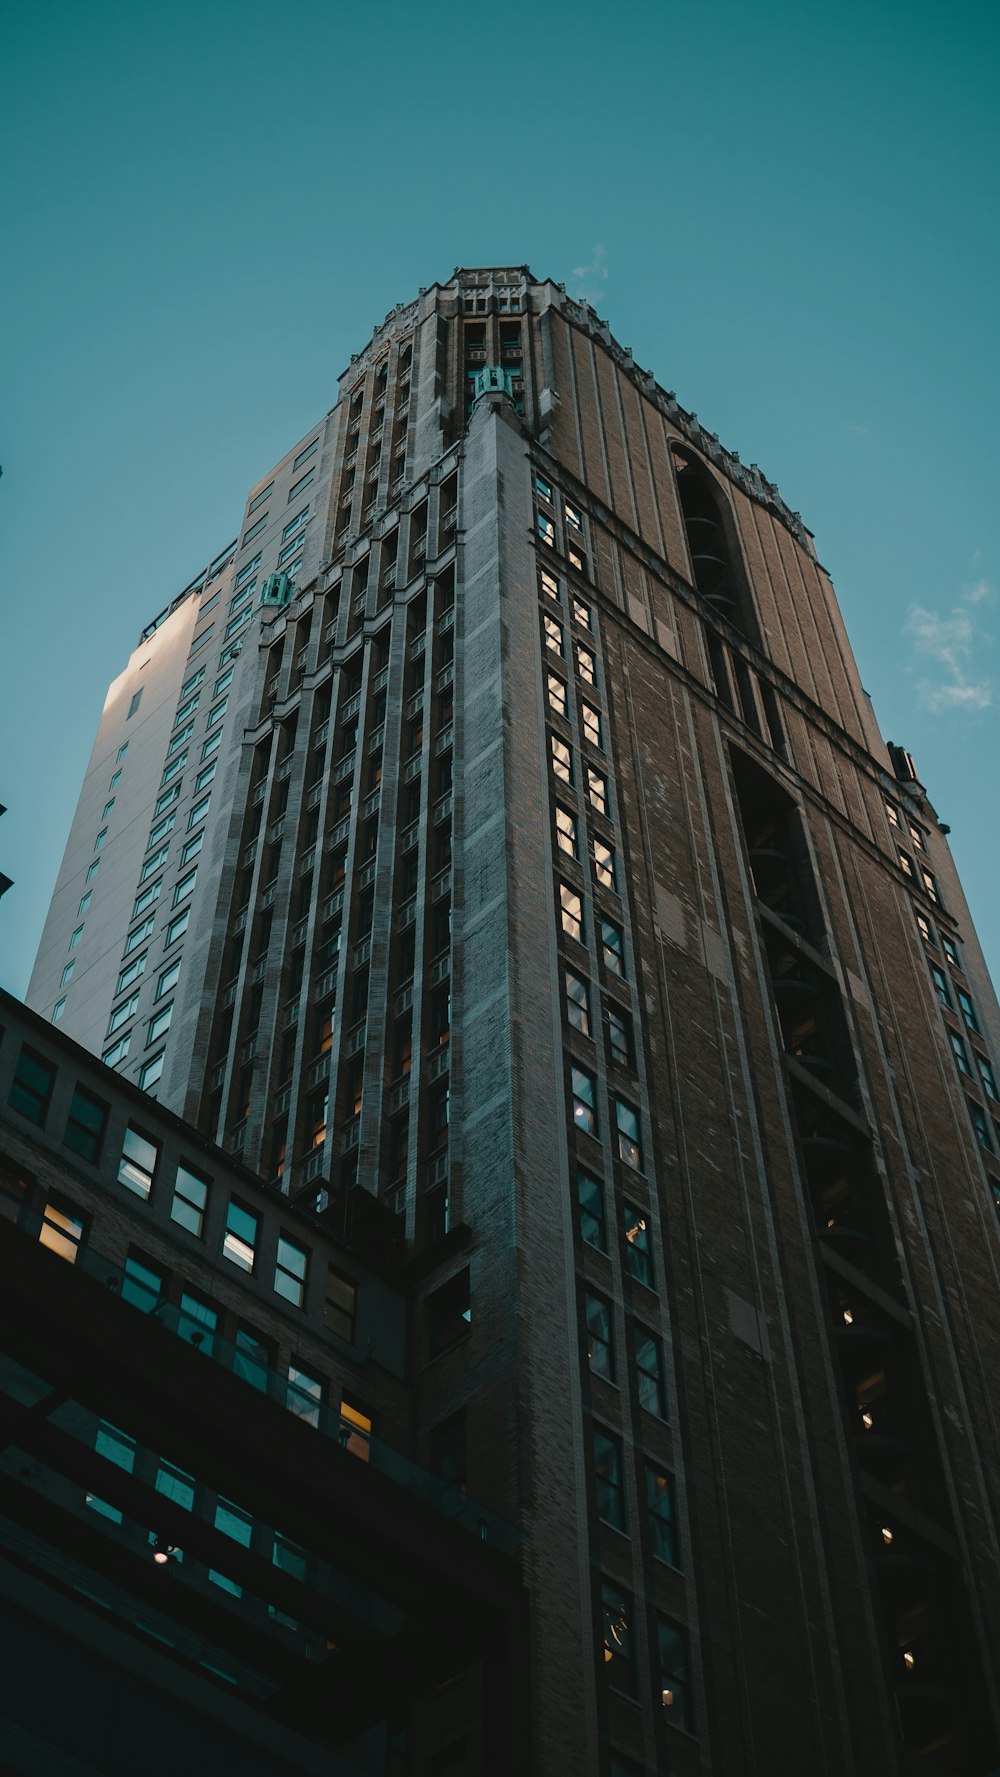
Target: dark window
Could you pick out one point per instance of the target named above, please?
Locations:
(32, 1085)
(85, 1125)
(590, 1200)
(671, 1644)
(190, 1198)
(987, 1076)
(341, 1305)
(620, 1036)
(981, 1125)
(960, 1053)
(661, 1515)
(448, 1449)
(305, 1393)
(629, 1135)
(290, 1271)
(649, 1372)
(613, 947)
(449, 1313)
(616, 1639)
(941, 985)
(600, 1336)
(583, 1089)
(252, 1358)
(968, 1010)
(137, 1165)
(951, 951)
(134, 703)
(609, 1491)
(638, 1256)
(197, 1321)
(577, 1003)
(141, 1285)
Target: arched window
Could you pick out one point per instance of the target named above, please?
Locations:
(717, 574)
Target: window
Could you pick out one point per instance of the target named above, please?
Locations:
(244, 574)
(85, 901)
(205, 776)
(968, 1010)
(638, 1256)
(177, 927)
(141, 1285)
(671, 1645)
(590, 1203)
(340, 1310)
(591, 725)
(542, 488)
(63, 1229)
(917, 836)
(140, 935)
(600, 1350)
(577, 1003)
(950, 949)
(303, 482)
(941, 985)
(586, 666)
(192, 848)
(610, 1495)
(295, 524)
(548, 584)
(930, 884)
(137, 1166)
(290, 1271)
(604, 865)
(254, 531)
(212, 744)
(168, 979)
(92, 870)
(180, 737)
(620, 1036)
(545, 528)
(31, 1088)
(355, 1430)
(58, 1009)
(122, 750)
(67, 974)
(122, 1012)
(190, 1199)
(893, 814)
(572, 516)
(571, 912)
(649, 1373)
(616, 1639)
(167, 798)
(159, 1025)
(253, 1358)
(149, 1075)
(117, 1051)
(629, 1140)
(960, 1053)
(146, 898)
(196, 678)
(199, 811)
(553, 634)
(222, 681)
(906, 864)
(175, 766)
(185, 886)
(162, 828)
(987, 1077)
(259, 499)
(581, 613)
(74, 938)
(153, 863)
(562, 759)
(449, 1314)
(557, 694)
(305, 1394)
(660, 1515)
(584, 1093)
(188, 707)
(981, 1125)
(113, 1446)
(237, 622)
(114, 778)
(217, 712)
(613, 948)
(134, 703)
(566, 833)
(597, 790)
(240, 1238)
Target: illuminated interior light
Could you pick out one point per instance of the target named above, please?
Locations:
(668, 1699)
(886, 1534)
(909, 1659)
(867, 1419)
(849, 1317)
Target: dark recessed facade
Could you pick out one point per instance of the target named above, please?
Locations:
(494, 857)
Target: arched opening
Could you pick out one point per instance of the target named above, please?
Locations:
(713, 558)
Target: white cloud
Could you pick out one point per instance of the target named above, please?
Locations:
(588, 279)
(952, 642)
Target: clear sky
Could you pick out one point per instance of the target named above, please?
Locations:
(789, 214)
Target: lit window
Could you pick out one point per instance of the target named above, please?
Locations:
(661, 1516)
(58, 1009)
(140, 934)
(610, 1494)
(586, 666)
(571, 912)
(137, 1165)
(576, 560)
(543, 489)
(671, 1642)
(562, 759)
(597, 790)
(941, 985)
(557, 694)
(613, 948)
(930, 884)
(573, 516)
(190, 1199)
(31, 1088)
(185, 886)
(604, 864)
(553, 634)
(549, 584)
(566, 833)
(159, 1025)
(951, 951)
(591, 725)
(960, 1053)
(584, 1096)
(122, 1012)
(341, 1306)
(151, 1072)
(117, 1051)
(305, 1394)
(546, 529)
(147, 897)
(290, 1271)
(649, 1373)
(893, 814)
(590, 1203)
(62, 1229)
(638, 1257)
(616, 1644)
(577, 1003)
(581, 613)
(620, 1036)
(600, 1352)
(240, 1237)
(917, 836)
(906, 865)
(355, 1430)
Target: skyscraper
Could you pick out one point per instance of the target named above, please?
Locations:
(498, 834)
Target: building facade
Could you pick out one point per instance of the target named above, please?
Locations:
(512, 846)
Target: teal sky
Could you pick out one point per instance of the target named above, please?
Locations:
(789, 214)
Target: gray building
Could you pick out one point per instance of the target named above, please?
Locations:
(550, 883)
